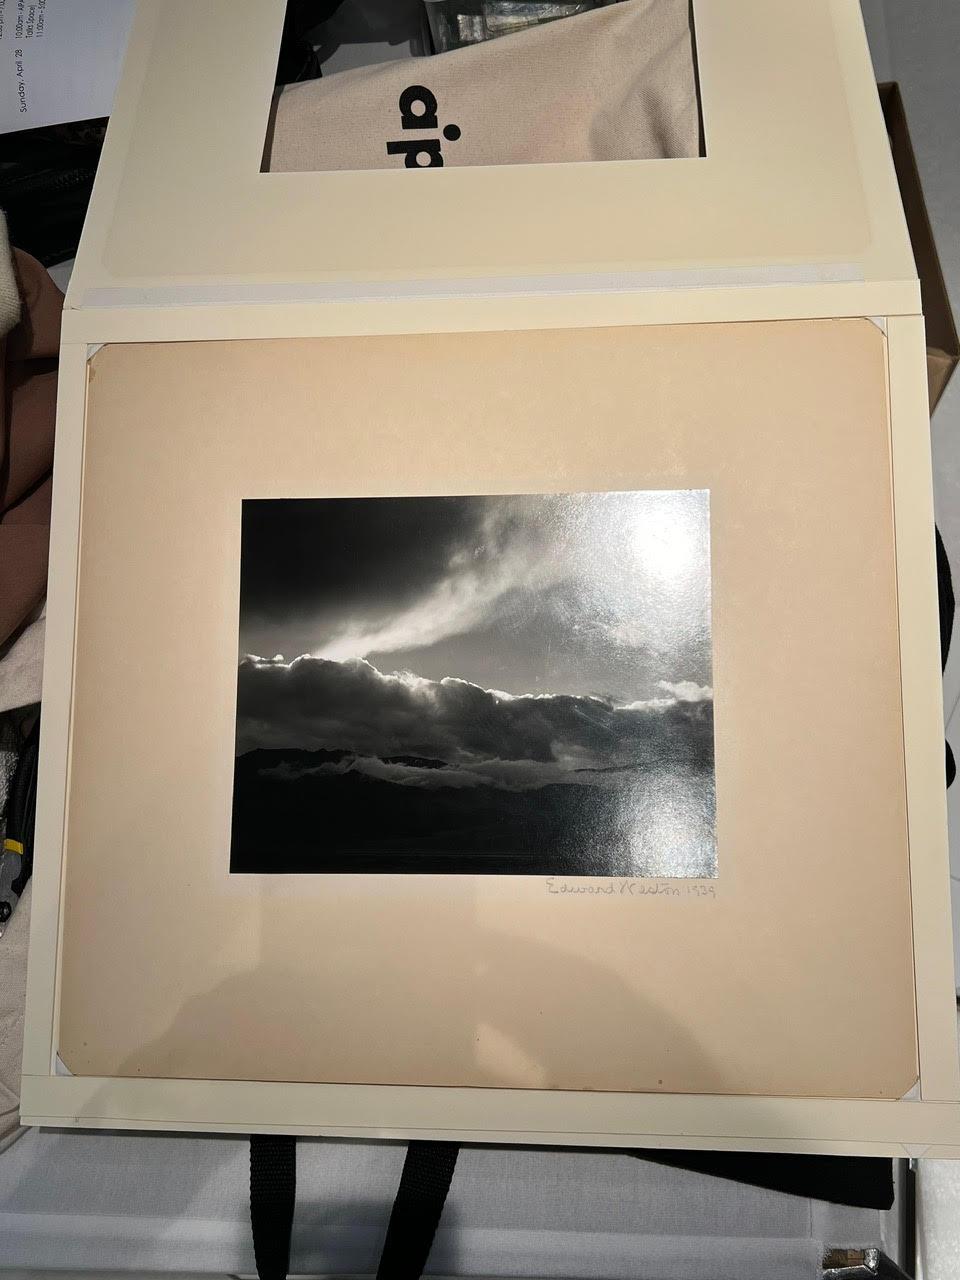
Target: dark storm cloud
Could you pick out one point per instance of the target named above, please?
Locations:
(318, 703)
(305, 558)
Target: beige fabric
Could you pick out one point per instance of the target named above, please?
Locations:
(21, 667)
(9, 293)
(615, 84)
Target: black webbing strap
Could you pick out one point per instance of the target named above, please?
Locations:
(947, 602)
(428, 1169)
(273, 1190)
(865, 1182)
(424, 1184)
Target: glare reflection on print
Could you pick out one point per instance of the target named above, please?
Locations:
(518, 684)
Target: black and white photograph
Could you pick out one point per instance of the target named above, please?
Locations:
(515, 684)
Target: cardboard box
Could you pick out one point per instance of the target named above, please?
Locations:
(943, 344)
(747, 323)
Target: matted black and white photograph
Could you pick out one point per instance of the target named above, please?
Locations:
(515, 684)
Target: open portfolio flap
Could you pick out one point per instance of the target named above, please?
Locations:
(756, 213)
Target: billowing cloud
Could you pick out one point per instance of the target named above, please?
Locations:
(470, 593)
(686, 690)
(319, 703)
(576, 593)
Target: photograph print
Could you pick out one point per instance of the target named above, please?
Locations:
(515, 684)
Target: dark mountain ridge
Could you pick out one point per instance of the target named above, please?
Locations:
(348, 821)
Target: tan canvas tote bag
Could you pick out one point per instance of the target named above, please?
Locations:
(618, 83)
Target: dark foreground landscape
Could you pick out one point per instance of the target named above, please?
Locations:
(322, 811)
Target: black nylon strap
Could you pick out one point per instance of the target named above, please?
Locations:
(424, 1184)
(948, 604)
(865, 1182)
(273, 1190)
(945, 599)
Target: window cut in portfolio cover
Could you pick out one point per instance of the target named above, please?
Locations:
(513, 684)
